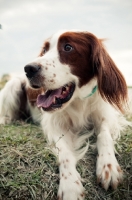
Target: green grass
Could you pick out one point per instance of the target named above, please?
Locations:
(3, 80)
(26, 164)
(29, 171)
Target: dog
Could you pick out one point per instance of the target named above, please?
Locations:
(73, 88)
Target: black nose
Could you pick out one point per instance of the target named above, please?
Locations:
(32, 69)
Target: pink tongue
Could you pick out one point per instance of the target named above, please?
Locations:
(47, 99)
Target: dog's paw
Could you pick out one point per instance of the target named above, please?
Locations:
(69, 190)
(108, 171)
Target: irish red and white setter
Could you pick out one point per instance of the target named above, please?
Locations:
(73, 86)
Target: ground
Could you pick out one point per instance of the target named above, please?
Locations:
(29, 171)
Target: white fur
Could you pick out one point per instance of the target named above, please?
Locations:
(68, 128)
(66, 141)
(10, 101)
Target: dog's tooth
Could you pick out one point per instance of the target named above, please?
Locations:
(56, 109)
(67, 88)
(64, 92)
(54, 100)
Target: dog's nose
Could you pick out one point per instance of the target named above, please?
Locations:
(31, 69)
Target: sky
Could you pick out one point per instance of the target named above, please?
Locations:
(27, 23)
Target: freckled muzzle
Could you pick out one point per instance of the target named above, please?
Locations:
(33, 73)
(54, 99)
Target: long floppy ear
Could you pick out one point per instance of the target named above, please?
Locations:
(111, 83)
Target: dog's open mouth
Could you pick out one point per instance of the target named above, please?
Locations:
(54, 99)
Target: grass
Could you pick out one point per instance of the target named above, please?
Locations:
(28, 169)
(3, 80)
(27, 166)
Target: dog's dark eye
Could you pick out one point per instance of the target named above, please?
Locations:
(44, 50)
(68, 48)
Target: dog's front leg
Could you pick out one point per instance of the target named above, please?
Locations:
(70, 187)
(108, 170)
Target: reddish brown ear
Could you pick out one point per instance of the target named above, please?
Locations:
(111, 83)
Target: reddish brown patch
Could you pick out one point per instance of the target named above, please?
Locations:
(65, 166)
(45, 48)
(89, 59)
(46, 68)
(104, 166)
(67, 160)
(65, 177)
(51, 80)
(109, 166)
(106, 175)
(119, 169)
(82, 195)
(78, 59)
(32, 94)
(54, 75)
(77, 182)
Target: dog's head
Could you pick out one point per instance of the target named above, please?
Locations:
(75, 61)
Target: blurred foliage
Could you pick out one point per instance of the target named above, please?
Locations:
(3, 80)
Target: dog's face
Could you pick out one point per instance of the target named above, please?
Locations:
(70, 62)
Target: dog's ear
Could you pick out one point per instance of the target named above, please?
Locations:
(111, 83)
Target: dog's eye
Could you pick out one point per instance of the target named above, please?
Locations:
(68, 48)
(44, 50)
